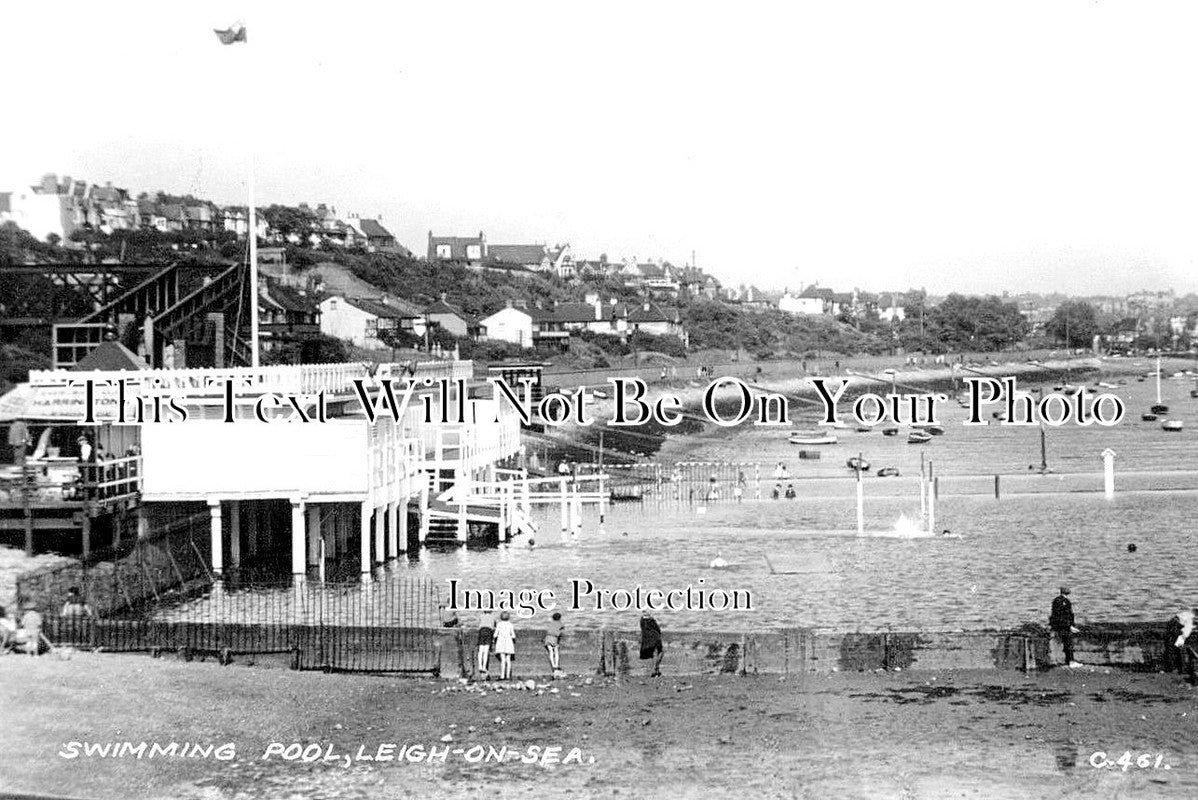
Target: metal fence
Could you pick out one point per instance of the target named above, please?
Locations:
(379, 627)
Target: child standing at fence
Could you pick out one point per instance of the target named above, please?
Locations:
(505, 645)
(553, 638)
(486, 636)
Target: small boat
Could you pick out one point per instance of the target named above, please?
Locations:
(918, 437)
(890, 431)
(811, 437)
(932, 428)
(888, 472)
(1171, 425)
(599, 394)
(1193, 392)
(1159, 408)
(856, 463)
(809, 455)
(863, 429)
(1149, 417)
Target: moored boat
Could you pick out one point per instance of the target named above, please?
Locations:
(888, 472)
(1172, 425)
(1148, 417)
(812, 437)
(890, 431)
(932, 428)
(918, 437)
(856, 463)
(1159, 408)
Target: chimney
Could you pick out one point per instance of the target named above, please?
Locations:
(646, 305)
(598, 308)
(443, 300)
(509, 304)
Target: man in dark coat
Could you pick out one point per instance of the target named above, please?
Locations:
(651, 645)
(1060, 621)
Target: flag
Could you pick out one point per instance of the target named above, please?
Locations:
(231, 35)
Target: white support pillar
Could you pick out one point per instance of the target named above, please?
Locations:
(364, 540)
(299, 566)
(461, 487)
(403, 526)
(422, 534)
(392, 530)
(313, 535)
(217, 540)
(380, 535)
(143, 522)
(576, 522)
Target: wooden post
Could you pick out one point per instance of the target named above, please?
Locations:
(364, 540)
(28, 530)
(997, 493)
(234, 534)
(392, 530)
(314, 537)
(402, 538)
(86, 535)
(460, 488)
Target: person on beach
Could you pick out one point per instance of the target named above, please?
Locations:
(651, 644)
(74, 606)
(790, 491)
(1172, 657)
(777, 491)
(1060, 621)
(505, 645)
(553, 638)
(8, 629)
(451, 621)
(486, 637)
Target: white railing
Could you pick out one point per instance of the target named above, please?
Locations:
(296, 378)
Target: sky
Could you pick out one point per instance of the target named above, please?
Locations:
(973, 147)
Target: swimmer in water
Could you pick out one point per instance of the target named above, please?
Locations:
(718, 562)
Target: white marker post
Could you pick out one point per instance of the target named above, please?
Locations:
(1108, 470)
(931, 501)
(860, 498)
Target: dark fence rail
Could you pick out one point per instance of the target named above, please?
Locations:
(384, 627)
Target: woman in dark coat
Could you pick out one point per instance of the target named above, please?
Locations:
(651, 645)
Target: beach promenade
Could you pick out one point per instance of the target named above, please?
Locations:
(861, 735)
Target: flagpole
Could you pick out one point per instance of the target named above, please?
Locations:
(252, 211)
(253, 235)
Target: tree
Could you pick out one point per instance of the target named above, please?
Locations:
(1074, 323)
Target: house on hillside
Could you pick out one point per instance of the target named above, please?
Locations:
(469, 249)
(288, 319)
(530, 256)
(510, 324)
(891, 308)
(812, 300)
(653, 319)
(373, 235)
(364, 321)
(454, 320)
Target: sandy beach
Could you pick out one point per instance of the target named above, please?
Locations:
(861, 735)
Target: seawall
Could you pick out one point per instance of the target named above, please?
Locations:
(798, 651)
